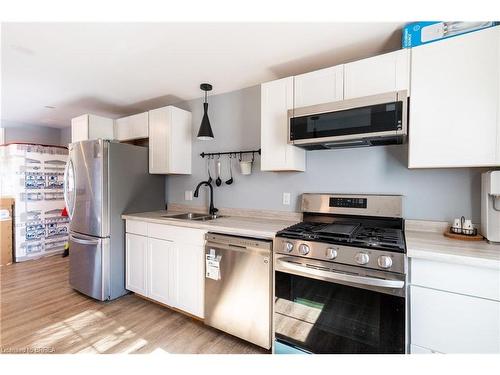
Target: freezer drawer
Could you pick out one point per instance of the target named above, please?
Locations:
(89, 265)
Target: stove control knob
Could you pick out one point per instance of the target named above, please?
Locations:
(361, 258)
(331, 253)
(384, 261)
(287, 247)
(304, 249)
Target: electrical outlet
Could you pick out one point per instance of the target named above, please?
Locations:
(286, 199)
(188, 195)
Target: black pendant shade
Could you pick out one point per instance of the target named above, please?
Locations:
(205, 132)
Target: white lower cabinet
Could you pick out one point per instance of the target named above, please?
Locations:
(454, 323)
(162, 275)
(167, 265)
(191, 280)
(136, 252)
(450, 311)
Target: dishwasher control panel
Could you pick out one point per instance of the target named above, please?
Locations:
(238, 241)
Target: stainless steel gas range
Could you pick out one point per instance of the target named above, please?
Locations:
(340, 277)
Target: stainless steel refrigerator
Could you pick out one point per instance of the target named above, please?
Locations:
(104, 179)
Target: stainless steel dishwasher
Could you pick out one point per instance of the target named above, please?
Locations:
(238, 287)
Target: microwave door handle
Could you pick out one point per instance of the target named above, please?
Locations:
(353, 143)
(336, 276)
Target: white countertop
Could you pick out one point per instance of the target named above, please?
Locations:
(235, 225)
(425, 240)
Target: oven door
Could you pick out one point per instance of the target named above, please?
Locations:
(329, 308)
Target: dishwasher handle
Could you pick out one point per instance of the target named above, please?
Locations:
(238, 241)
(231, 247)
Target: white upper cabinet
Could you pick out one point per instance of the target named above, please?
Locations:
(170, 139)
(378, 74)
(132, 127)
(277, 154)
(454, 106)
(320, 86)
(375, 75)
(86, 127)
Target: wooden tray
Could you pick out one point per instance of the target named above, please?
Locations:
(463, 237)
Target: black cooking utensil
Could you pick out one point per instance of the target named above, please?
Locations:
(208, 170)
(218, 181)
(230, 181)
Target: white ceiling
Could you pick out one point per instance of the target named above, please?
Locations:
(116, 69)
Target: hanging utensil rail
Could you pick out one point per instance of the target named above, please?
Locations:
(235, 153)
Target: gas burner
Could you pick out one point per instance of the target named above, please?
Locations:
(348, 233)
(339, 229)
(373, 242)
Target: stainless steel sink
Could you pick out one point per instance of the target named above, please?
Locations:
(186, 216)
(192, 216)
(209, 217)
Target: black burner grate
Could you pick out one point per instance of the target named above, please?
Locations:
(348, 233)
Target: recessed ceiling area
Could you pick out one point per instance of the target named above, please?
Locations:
(52, 72)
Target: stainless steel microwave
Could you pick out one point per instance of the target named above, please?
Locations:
(368, 121)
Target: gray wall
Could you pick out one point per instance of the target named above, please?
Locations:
(65, 136)
(433, 194)
(18, 132)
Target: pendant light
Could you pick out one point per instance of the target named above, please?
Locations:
(205, 133)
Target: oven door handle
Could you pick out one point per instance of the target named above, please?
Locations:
(336, 276)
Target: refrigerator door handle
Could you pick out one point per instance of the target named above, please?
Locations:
(83, 241)
(65, 189)
(87, 190)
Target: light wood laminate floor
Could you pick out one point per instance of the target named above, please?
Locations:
(40, 312)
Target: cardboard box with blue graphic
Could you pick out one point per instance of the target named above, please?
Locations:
(417, 33)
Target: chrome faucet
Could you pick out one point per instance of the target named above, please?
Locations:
(212, 210)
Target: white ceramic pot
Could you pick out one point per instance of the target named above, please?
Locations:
(246, 167)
